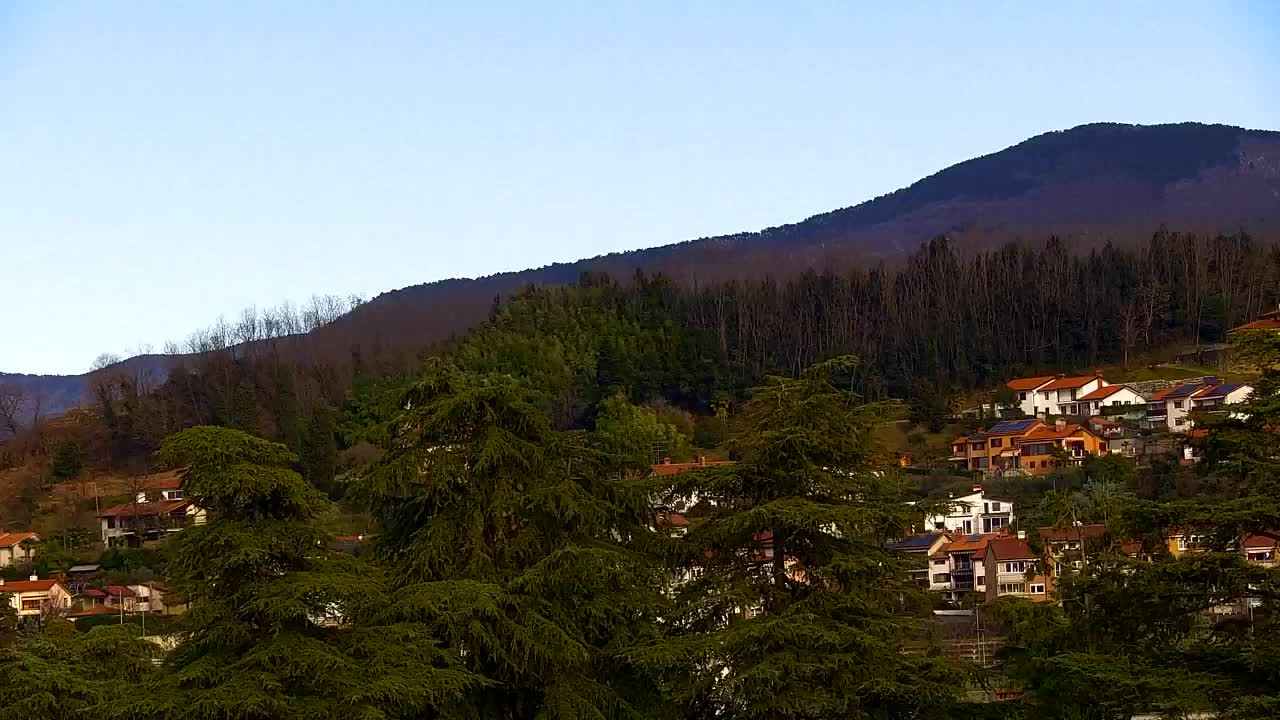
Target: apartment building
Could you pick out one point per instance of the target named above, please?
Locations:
(957, 569)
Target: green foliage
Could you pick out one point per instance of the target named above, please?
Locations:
(797, 532)
(636, 435)
(63, 674)
(279, 626)
(65, 461)
(518, 545)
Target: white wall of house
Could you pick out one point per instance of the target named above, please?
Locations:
(973, 514)
(1124, 396)
(1066, 400)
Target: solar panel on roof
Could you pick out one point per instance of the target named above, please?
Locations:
(1009, 426)
(1184, 390)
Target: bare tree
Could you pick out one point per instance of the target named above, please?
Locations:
(14, 399)
(104, 360)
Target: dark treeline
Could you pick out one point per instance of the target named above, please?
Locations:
(945, 320)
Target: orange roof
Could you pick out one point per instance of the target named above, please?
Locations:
(1030, 383)
(1066, 383)
(1071, 534)
(26, 586)
(14, 539)
(1010, 548)
(1259, 540)
(666, 468)
(161, 507)
(1104, 392)
(976, 544)
(1267, 321)
(1052, 432)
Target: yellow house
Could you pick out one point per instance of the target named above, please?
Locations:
(1036, 448)
(994, 449)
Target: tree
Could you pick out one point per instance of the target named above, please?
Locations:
(62, 674)
(519, 546)
(636, 434)
(279, 626)
(794, 609)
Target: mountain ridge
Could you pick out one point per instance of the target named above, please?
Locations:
(1090, 183)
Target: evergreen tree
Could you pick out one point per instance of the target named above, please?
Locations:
(794, 609)
(279, 626)
(64, 674)
(518, 545)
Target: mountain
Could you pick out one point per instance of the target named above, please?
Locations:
(1089, 184)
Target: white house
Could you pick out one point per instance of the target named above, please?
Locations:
(17, 547)
(1171, 408)
(1025, 391)
(973, 514)
(36, 596)
(132, 524)
(1109, 396)
(1062, 395)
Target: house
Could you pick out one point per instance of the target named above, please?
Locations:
(1063, 395)
(1025, 391)
(133, 524)
(1215, 398)
(1036, 449)
(957, 568)
(36, 597)
(1112, 396)
(1265, 321)
(1012, 568)
(973, 514)
(1065, 548)
(922, 544)
(991, 450)
(1260, 548)
(17, 547)
(80, 576)
(1171, 408)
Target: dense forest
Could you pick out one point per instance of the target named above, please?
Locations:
(945, 321)
(518, 571)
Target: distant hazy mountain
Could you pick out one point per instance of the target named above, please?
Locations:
(1089, 184)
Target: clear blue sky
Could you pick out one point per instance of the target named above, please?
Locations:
(167, 162)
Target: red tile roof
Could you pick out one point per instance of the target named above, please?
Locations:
(1031, 383)
(16, 538)
(672, 520)
(94, 593)
(1052, 432)
(976, 544)
(161, 507)
(26, 586)
(665, 469)
(120, 591)
(1267, 321)
(1010, 548)
(1066, 383)
(1260, 540)
(1104, 392)
(1071, 534)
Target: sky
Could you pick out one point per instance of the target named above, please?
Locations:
(165, 163)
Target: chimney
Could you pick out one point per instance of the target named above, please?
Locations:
(976, 488)
(666, 461)
(702, 460)
(1211, 381)
(34, 578)
(1, 581)
(1060, 424)
(1022, 534)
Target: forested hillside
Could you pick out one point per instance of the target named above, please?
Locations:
(1088, 186)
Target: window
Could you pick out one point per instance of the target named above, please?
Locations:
(1018, 566)
(997, 442)
(981, 463)
(940, 561)
(30, 604)
(941, 578)
(940, 526)
(1012, 588)
(995, 507)
(968, 527)
(981, 582)
(1189, 542)
(1177, 404)
(993, 524)
(111, 523)
(1057, 568)
(978, 446)
(1022, 396)
(1262, 555)
(986, 507)
(1037, 589)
